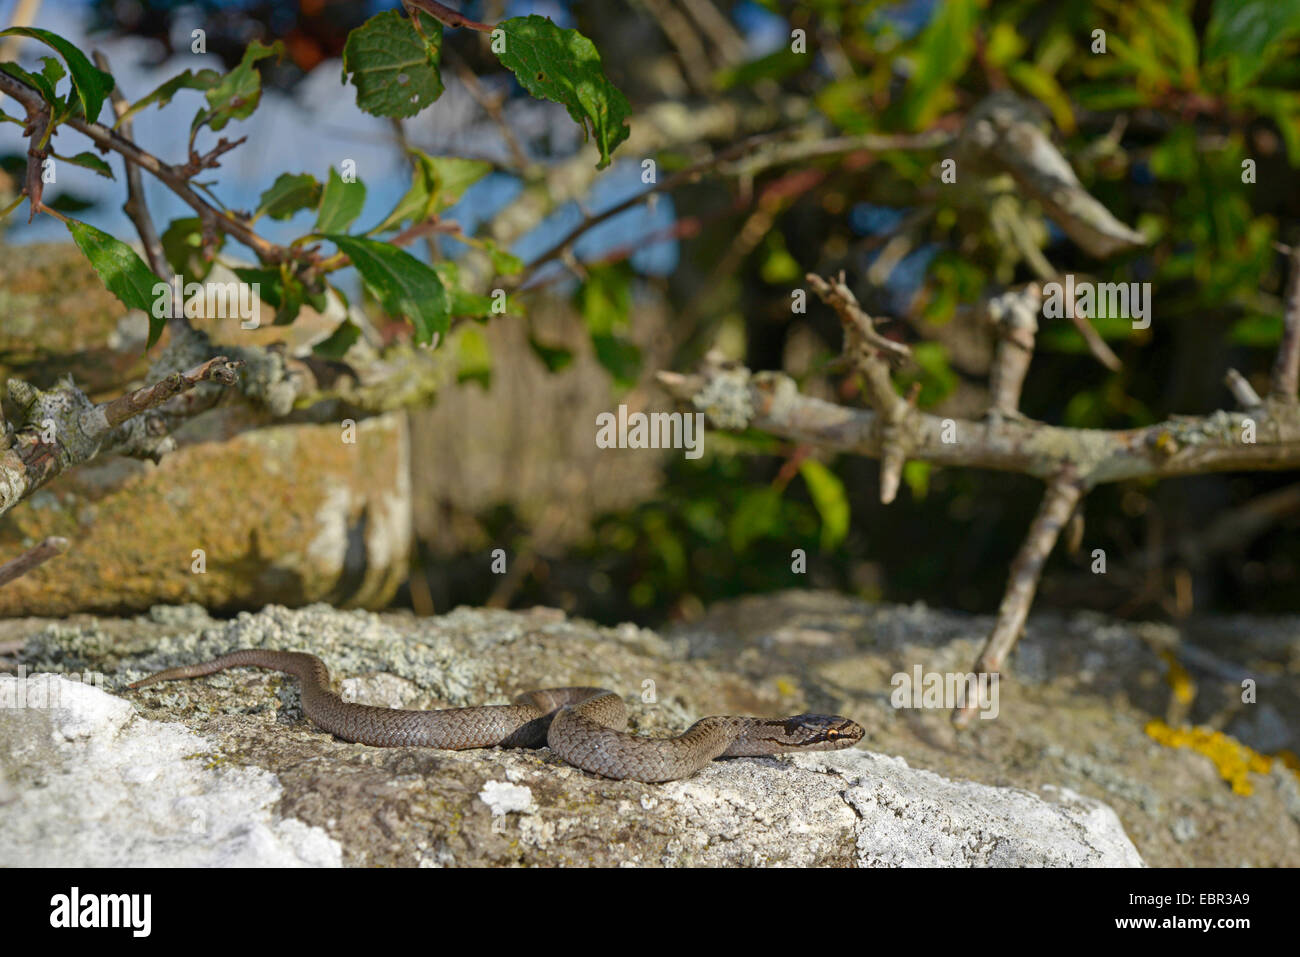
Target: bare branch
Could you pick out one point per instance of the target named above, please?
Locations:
(1014, 316)
(1242, 390)
(447, 15)
(871, 353)
(135, 207)
(220, 369)
(25, 562)
(1059, 502)
(735, 398)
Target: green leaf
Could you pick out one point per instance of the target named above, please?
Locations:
(92, 84)
(393, 66)
(1246, 34)
(830, 500)
(289, 193)
(758, 514)
(605, 298)
(182, 243)
(88, 160)
(122, 271)
(37, 81)
(239, 92)
(473, 358)
(341, 204)
(189, 80)
(278, 288)
(403, 285)
(339, 341)
(621, 359)
(553, 357)
(564, 67)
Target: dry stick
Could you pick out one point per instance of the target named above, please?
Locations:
(219, 369)
(135, 207)
(867, 350)
(1059, 502)
(447, 15)
(1286, 370)
(689, 174)
(1242, 390)
(1014, 318)
(24, 563)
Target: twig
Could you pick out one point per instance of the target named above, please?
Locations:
(870, 352)
(1059, 502)
(1014, 316)
(447, 15)
(109, 139)
(135, 207)
(1286, 370)
(219, 369)
(1241, 389)
(17, 567)
(691, 173)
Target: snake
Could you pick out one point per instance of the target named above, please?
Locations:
(587, 727)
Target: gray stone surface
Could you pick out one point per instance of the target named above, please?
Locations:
(225, 770)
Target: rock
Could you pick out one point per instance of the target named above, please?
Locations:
(225, 769)
(286, 513)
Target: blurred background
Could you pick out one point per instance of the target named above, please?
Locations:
(504, 455)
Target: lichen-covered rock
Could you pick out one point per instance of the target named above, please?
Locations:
(285, 513)
(234, 771)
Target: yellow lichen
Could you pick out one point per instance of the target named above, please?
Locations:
(1234, 760)
(1179, 678)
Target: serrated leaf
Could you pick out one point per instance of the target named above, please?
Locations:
(341, 204)
(394, 67)
(289, 193)
(239, 92)
(88, 160)
(282, 291)
(403, 285)
(563, 66)
(830, 500)
(37, 81)
(437, 182)
(121, 270)
(339, 341)
(189, 80)
(92, 84)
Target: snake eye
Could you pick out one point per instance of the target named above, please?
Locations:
(832, 734)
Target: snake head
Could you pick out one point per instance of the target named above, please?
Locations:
(822, 732)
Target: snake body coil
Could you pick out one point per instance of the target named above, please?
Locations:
(584, 726)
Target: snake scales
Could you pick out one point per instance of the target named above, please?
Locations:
(584, 726)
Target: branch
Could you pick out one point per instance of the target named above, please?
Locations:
(1059, 502)
(173, 177)
(61, 428)
(20, 566)
(446, 15)
(135, 207)
(735, 398)
(1014, 317)
(1286, 370)
(871, 353)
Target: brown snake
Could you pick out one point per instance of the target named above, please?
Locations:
(584, 726)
